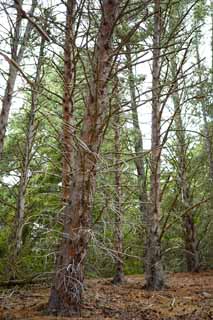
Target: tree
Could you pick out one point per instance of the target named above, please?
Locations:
(118, 211)
(189, 228)
(18, 46)
(68, 104)
(153, 265)
(32, 126)
(66, 292)
(138, 139)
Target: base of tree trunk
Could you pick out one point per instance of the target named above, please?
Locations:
(154, 276)
(192, 264)
(155, 286)
(62, 306)
(118, 279)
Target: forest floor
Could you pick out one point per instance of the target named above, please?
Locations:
(189, 297)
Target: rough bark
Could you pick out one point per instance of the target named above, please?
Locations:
(118, 233)
(191, 243)
(17, 53)
(154, 274)
(68, 107)
(66, 292)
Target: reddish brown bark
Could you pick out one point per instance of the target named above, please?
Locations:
(66, 293)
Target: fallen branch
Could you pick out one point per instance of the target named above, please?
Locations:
(23, 282)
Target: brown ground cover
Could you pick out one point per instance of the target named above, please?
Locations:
(189, 297)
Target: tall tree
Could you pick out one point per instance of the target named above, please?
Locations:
(17, 232)
(138, 137)
(118, 233)
(66, 292)
(202, 93)
(203, 90)
(189, 228)
(154, 274)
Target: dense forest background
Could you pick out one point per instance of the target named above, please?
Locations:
(106, 139)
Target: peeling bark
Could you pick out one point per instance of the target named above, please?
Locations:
(67, 289)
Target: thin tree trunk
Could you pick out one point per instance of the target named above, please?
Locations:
(211, 8)
(191, 252)
(208, 138)
(154, 274)
(24, 179)
(190, 239)
(68, 107)
(66, 292)
(138, 139)
(17, 236)
(17, 53)
(119, 265)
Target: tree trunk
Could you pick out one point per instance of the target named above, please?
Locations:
(190, 240)
(190, 237)
(17, 52)
(208, 138)
(119, 265)
(17, 236)
(68, 107)
(189, 229)
(138, 141)
(211, 8)
(154, 274)
(66, 292)
(24, 179)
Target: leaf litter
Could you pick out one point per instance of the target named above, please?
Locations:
(188, 297)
